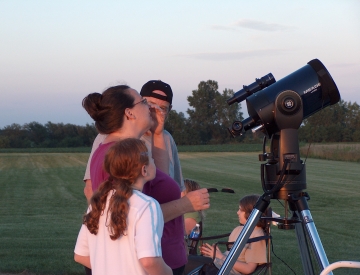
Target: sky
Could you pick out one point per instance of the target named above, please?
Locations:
(54, 53)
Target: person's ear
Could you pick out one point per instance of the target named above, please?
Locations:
(129, 114)
(143, 171)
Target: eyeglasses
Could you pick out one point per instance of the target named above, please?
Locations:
(164, 109)
(143, 101)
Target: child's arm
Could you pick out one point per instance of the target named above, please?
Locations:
(155, 266)
(84, 260)
(245, 268)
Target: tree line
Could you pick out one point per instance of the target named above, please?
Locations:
(206, 122)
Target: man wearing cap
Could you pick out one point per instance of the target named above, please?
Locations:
(159, 96)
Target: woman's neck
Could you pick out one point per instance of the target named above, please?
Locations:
(116, 136)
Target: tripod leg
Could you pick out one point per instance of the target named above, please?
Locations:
(309, 225)
(304, 249)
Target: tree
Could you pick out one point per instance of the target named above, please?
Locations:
(225, 117)
(210, 115)
(37, 133)
(16, 136)
(50, 135)
(177, 125)
(335, 123)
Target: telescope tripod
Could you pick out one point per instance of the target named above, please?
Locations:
(305, 231)
(283, 177)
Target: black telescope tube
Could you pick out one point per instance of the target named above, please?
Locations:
(258, 85)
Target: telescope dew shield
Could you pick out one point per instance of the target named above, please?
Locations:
(313, 83)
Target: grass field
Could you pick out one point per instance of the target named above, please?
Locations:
(42, 202)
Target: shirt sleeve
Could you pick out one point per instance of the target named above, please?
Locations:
(82, 247)
(174, 168)
(99, 139)
(148, 238)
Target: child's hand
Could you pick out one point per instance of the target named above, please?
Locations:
(207, 250)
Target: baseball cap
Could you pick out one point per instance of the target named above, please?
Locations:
(152, 85)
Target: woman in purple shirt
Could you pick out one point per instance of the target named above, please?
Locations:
(120, 112)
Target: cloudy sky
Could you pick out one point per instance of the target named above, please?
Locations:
(54, 53)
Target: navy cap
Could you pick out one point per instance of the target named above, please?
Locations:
(152, 85)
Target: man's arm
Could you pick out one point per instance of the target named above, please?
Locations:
(193, 201)
(175, 170)
(159, 150)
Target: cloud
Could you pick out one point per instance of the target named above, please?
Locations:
(251, 24)
(222, 28)
(216, 56)
(258, 25)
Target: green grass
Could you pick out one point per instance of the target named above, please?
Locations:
(235, 147)
(42, 202)
(332, 151)
(47, 150)
(334, 191)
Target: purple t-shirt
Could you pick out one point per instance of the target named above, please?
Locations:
(97, 172)
(162, 188)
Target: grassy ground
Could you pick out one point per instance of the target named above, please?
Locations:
(332, 151)
(42, 201)
(41, 204)
(333, 189)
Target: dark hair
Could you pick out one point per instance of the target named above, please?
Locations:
(108, 109)
(123, 162)
(191, 185)
(247, 204)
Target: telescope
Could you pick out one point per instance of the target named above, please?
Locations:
(277, 108)
(309, 89)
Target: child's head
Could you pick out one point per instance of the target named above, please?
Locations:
(125, 160)
(246, 205)
(190, 185)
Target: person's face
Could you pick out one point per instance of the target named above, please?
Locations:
(241, 215)
(150, 168)
(141, 110)
(158, 104)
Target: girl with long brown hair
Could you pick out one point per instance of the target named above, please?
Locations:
(122, 230)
